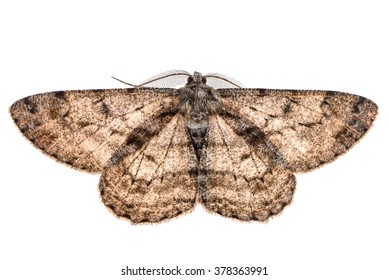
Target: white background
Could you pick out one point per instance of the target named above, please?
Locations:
(53, 224)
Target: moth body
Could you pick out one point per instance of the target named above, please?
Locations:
(198, 102)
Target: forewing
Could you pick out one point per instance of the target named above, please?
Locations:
(84, 128)
(302, 129)
(155, 179)
(239, 182)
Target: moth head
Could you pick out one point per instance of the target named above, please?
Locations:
(196, 98)
(196, 79)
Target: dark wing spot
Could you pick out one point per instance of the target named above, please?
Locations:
(24, 130)
(244, 157)
(105, 109)
(330, 93)
(287, 107)
(83, 124)
(139, 135)
(358, 124)
(59, 94)
(253, 135)
(356, 107)
(130, 90)
(308, 125)
(345, 137)
(261, 90)
(29, 105)
(150, 158)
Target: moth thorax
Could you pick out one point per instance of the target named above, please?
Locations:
(198, 102)
(201, 94)
(198, 116)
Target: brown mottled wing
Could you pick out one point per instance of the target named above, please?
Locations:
(84, 128)
(299, 129)
(153, 180)
(237, 181)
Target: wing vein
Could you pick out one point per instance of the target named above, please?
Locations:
(167, 150)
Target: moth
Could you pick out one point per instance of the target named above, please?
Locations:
(161, 150)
